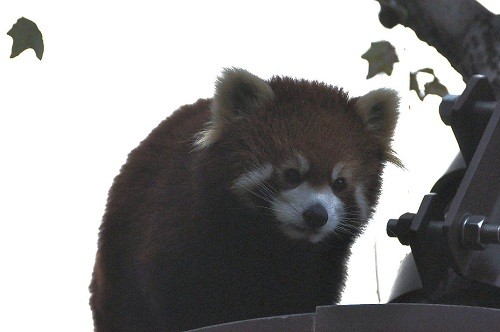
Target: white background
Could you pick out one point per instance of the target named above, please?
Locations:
(112, 70)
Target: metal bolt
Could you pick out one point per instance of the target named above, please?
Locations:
(490, 233)
(476, 233)
(445, 108)
(400, 228)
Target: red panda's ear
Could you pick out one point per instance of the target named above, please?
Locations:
(237, 94)
(379, 111)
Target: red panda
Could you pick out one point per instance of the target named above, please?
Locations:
(241, 206)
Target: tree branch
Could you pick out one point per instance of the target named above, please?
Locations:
(463, 31)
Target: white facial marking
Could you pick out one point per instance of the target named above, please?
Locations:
(362, 203)
(336, 171)
(303, 164)
(298, 162)
(252, 179)
(291, 204)
(340, 170)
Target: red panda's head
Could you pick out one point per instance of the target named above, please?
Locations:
(302, 152)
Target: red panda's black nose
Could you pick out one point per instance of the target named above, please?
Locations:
(315, 216)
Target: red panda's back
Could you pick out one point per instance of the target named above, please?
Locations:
(162, 160)
(153, 186)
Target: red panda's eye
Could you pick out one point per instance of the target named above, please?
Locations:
(339, 185)
(292, 176)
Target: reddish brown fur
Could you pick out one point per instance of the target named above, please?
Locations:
(177, 250)
(309, 110)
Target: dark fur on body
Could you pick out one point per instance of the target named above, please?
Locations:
(179, 250)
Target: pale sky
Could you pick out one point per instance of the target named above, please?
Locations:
(113, 70)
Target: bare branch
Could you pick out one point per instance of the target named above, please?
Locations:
(463, 31)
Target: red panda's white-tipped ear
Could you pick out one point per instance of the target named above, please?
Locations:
(379, 111)
(237, 93)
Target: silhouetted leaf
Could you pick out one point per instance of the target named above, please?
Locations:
(427, 70)
(25, 34)
(433, 87)
(381, 58)
(414, 85)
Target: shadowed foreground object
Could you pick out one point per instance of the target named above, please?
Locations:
(380, 317)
